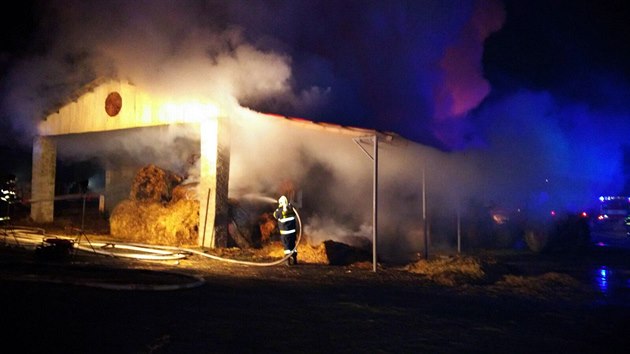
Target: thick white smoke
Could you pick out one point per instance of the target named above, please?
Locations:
(170, 48)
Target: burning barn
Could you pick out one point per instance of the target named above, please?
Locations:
(189, 171)
(148, 145)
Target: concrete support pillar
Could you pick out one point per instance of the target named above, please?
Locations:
(43, 179)
(223, 179)
(118, 180)
(214, 181)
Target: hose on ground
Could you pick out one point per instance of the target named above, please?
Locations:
(35, 237)
(236, 261)
(24, 237)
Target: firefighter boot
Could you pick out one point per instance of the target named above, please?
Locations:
(292, 260)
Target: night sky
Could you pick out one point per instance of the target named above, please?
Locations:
(527, 83)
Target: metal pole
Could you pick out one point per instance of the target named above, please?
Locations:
(374, 158)
(424, 214)
(459, 230)
(83, 214)
(374, 202)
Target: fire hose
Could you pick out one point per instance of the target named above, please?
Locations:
(25, 237)
(230, 260)
(236, 261)
(35, 237)
(160, 252)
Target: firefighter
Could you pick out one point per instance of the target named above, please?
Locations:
(287, 225)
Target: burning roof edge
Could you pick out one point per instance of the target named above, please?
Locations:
(343, 129)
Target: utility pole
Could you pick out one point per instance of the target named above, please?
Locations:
(424, 214)
(374, 158)
(374, 202)
(459, 228)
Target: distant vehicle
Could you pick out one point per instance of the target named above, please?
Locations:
(612, 214)
(542, 231)
(561, 232)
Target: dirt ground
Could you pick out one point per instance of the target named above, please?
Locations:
(521, 303)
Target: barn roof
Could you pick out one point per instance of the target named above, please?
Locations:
(74, 96)
(303, 122)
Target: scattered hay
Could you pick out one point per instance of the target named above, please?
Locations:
(306, 253)
(451, 271)
(250, 254)
(328, 252)
(313, 254)
(545, 286)
(363, 265)
(458, 271)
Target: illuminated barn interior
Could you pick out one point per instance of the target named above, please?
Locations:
(114, 106)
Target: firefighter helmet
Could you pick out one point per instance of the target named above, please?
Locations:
(283, 201)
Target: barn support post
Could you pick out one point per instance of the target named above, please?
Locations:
(118, 181)
(374, 202)
(43, 179)
(425, 223)
(214, 182)
(374, 158)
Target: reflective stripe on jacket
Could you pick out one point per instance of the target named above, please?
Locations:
(286, 220)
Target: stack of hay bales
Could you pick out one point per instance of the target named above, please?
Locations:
(159, 210)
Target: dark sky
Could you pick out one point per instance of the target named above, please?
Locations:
(515, 80)
(571, 48)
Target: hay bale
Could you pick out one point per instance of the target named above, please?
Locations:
(184, 192)
(155, 184)
(546, 286)
(129, 220)
(173, 224)
(158, 211)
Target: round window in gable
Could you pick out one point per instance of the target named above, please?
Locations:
(113, 104)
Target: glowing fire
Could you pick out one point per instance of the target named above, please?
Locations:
(186, 112)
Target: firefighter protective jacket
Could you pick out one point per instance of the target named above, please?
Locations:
(286, 220)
